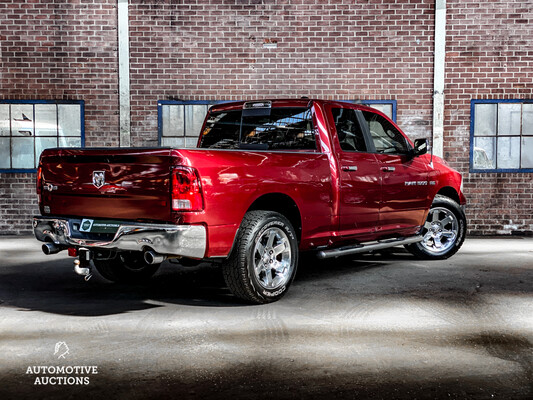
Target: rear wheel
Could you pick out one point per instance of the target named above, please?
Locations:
(126, 268)
(263, 262)
(443, 232)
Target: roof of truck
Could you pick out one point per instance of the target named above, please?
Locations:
(303, 102)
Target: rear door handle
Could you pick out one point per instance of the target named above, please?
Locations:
(388, 169)
(349, 168)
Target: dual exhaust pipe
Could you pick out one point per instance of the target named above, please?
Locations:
(51, 248)
(151, 257)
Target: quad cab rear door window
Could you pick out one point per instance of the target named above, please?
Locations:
(281, 128)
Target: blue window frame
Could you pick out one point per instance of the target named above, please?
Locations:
(27, 127)
(179, 122)
(501, 136)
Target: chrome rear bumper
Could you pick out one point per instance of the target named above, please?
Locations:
(178, 240)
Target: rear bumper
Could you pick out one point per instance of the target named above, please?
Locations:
(178, 240)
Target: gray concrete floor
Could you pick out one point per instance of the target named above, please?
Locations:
(376, 326)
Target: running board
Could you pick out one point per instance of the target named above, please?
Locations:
(370, 246)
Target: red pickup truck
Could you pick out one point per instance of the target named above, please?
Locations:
(268, 180)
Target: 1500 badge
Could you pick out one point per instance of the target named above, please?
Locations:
(416, 183)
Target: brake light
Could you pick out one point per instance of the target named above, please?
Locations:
(39, 183)
(186, 190)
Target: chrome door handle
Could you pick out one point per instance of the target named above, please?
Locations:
(349, 168)
(388, 169)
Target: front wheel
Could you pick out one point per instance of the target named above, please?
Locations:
(127, 267)
(263, 263)
(444, 230)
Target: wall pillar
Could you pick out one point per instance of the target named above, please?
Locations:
(124, 73)
(438, 77)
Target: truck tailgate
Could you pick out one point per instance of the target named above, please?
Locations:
(130, 184)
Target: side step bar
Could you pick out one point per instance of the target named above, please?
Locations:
(370, 246)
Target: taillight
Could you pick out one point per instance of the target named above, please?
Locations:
(186, 190)
(39, 182)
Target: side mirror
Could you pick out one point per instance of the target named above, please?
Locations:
(421, 147)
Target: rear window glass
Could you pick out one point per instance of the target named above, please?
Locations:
(274, 129)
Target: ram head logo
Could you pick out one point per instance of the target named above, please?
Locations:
(98, 179)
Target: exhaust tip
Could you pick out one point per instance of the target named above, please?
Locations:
(151, 257)
(50, 248)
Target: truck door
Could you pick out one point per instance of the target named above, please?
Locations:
(360, 182)
(404, 196)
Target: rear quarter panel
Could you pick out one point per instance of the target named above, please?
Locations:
(233, 180)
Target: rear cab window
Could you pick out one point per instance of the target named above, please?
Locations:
(277, 128)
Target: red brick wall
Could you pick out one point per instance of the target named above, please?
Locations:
(214, 50)
(489, 55)
(53, 50)
(207, 49)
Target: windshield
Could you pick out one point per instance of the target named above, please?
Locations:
(275, 129)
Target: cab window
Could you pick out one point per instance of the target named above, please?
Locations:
(349, 132)
(387, 139)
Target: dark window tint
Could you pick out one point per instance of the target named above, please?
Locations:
(222, 130)
(386, 138)
(274, 129)
(348, 129)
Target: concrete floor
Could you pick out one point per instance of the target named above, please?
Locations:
(376, 326)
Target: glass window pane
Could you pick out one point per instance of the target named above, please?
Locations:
(527, 152)
(527, 119)
(5, 152)
(23, 156)
(177, 142)
(4, 120)
(509, 118)
(485, 119)
(69, 142)
(484, 152)
(22, 120)
(194, 119)
(348, 130)
(45, 120)
(44, 143)
(172, 120)
(386, 138)
(508, 153)
(384, 108)
(69, 119)
(191, 142)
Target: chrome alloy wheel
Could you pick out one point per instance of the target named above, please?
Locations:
(440, 231)
(272, 259)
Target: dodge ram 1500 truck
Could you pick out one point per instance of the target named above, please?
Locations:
(267, 181)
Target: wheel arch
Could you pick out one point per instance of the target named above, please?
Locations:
(283, 204)
(449, 192)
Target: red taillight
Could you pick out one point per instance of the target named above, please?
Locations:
(39, 182)
(186, 190)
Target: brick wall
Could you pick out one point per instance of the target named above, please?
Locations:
(52, 50)
(489, 55)
(214, 49)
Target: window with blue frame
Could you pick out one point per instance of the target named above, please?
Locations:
(27, 127)
(180, 122)
(501, 136)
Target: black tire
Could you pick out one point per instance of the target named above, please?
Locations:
(263, 262)
(126, 268)
(444, 231)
